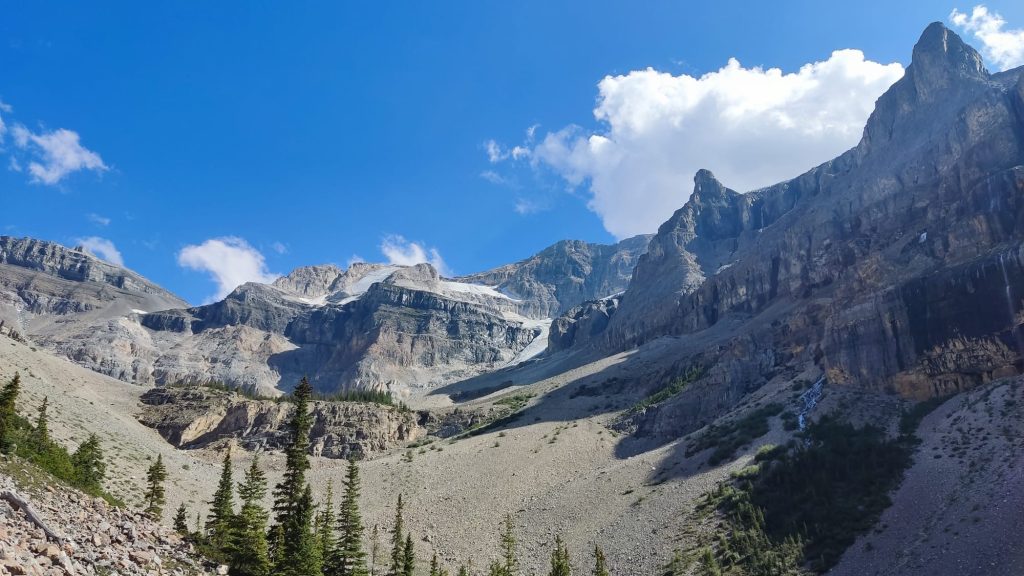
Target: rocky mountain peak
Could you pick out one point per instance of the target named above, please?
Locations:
(310, 281)
(940, 54)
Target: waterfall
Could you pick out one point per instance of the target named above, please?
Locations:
(809, 399)
(1008, 292)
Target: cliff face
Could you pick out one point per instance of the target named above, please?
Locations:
(196, 416)
(896, 266)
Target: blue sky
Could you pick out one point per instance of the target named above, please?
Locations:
(302, 133)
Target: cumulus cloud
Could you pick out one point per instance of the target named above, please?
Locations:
(55, 154)
(751, 126)
(97, 219)
(101, 248)
(1002, 47)
(230, 262)
(402, 252)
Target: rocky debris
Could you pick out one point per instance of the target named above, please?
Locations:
(95, 538)
(566, 274)
(197, 416)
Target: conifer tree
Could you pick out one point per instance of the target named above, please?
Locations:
(87, 461)
(434, 569)
(349, 558)
(288, 493)
(222, 509)
(249, 551)
(600, 565)
(299, 554)
(560, 565)
(40, 437)
(155, 477)
(8, 415)
(181, 520)
(510, 564)
(397, 543)
(463, 570)
(409, 556)
(323, 528)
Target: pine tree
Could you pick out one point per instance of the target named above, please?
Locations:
(510, 564)
(600, 565)
(349, 558)
(40, 438)
(249, 551)
(292, 523)
(8, 415)
(560, 565)
(409, 557)
(323, 528)
(155, 477)
(710, 567)
(434, 569)
(222, 509)
(463, 570)
(181, 520)
(299, 552)
(89, 468)
(397, 543)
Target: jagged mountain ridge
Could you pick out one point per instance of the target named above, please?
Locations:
(897, 266)
(368, 326)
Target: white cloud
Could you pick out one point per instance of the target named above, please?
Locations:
(97, 219)
(1004, 48)
(279, 248)
(57, 154)
(751, 126)
(230, 261)
(526, 206)
(402, 252)
(356, 258)
(101, 248)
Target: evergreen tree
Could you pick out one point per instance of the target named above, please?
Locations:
(560, 565)
(289, 491)
(249, 551)
(181, 520)
(40, 438)
(397, 543)
(8, 415)
(710, 567)
(222, 509)
(349, 558)
(323, 528)
(299, 554)
(463, 570)
(434, 569)
(409, 557)
(294, 518)
(89, 468)
(600, 565)
(510, 563)
(155, 477)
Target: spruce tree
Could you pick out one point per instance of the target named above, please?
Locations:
(560, 565)
(374, 549)
(348, 558)
(89, 468)
(222, 509)
(299, 554)
(600, 565)
(8, 415)
(40, 438)
(463, 570)
(181, 520)
(155, 477)
(249, 551)
(288, 494)
(397, 543)
(323, 528)
(434, 569)
(409, 557)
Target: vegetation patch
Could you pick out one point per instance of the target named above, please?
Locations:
(672, 389)
(727, 438)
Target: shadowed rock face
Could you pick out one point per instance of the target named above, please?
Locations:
(897, 266)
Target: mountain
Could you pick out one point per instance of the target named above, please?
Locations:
(898, 266)
(372, 326)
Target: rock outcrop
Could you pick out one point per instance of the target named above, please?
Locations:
(196, 416)
(897, 266)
